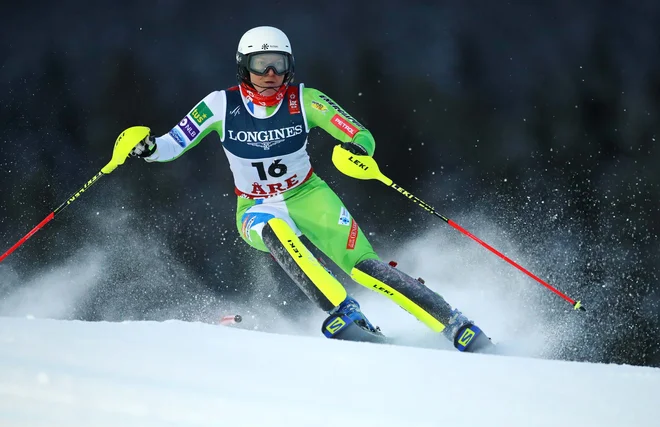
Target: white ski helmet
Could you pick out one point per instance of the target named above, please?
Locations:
(255, 43)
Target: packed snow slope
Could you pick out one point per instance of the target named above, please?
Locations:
(72, 373)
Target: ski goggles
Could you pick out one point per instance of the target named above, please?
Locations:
(260, 63)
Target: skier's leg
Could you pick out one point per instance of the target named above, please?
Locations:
(318, 284)
(301, 265)
(410, 294)
(423, 303)
(324, 220)
(268, 227)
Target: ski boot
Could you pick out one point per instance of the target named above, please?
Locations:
(347, 322)
(465, 335)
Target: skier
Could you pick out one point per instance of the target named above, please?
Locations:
(263, 124)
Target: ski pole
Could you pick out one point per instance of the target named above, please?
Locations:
(365, 167)
(123, 146)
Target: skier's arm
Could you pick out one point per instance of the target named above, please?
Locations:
(205, 117)
(325, 113)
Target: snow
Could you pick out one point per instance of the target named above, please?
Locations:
(174, 373)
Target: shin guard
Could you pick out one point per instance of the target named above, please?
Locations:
(410, 294)
(301, 265)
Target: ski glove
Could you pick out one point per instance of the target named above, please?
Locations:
(145, 148)
(354, 148)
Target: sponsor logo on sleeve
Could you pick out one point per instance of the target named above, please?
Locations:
(344, 125)
(320, 107)
(188, 128)
(341, 111)
(344, 216)
(201, 113)
(352, 235)
(178, 137)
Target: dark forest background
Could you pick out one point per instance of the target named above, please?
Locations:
(542, 117)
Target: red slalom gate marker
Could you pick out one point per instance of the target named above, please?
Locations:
(231, 319)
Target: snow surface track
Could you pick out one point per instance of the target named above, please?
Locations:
(71, 373)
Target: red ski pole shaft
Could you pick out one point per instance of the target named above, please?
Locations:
(126, 141)
(365, 167)
(50, 216)
(576, 304)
